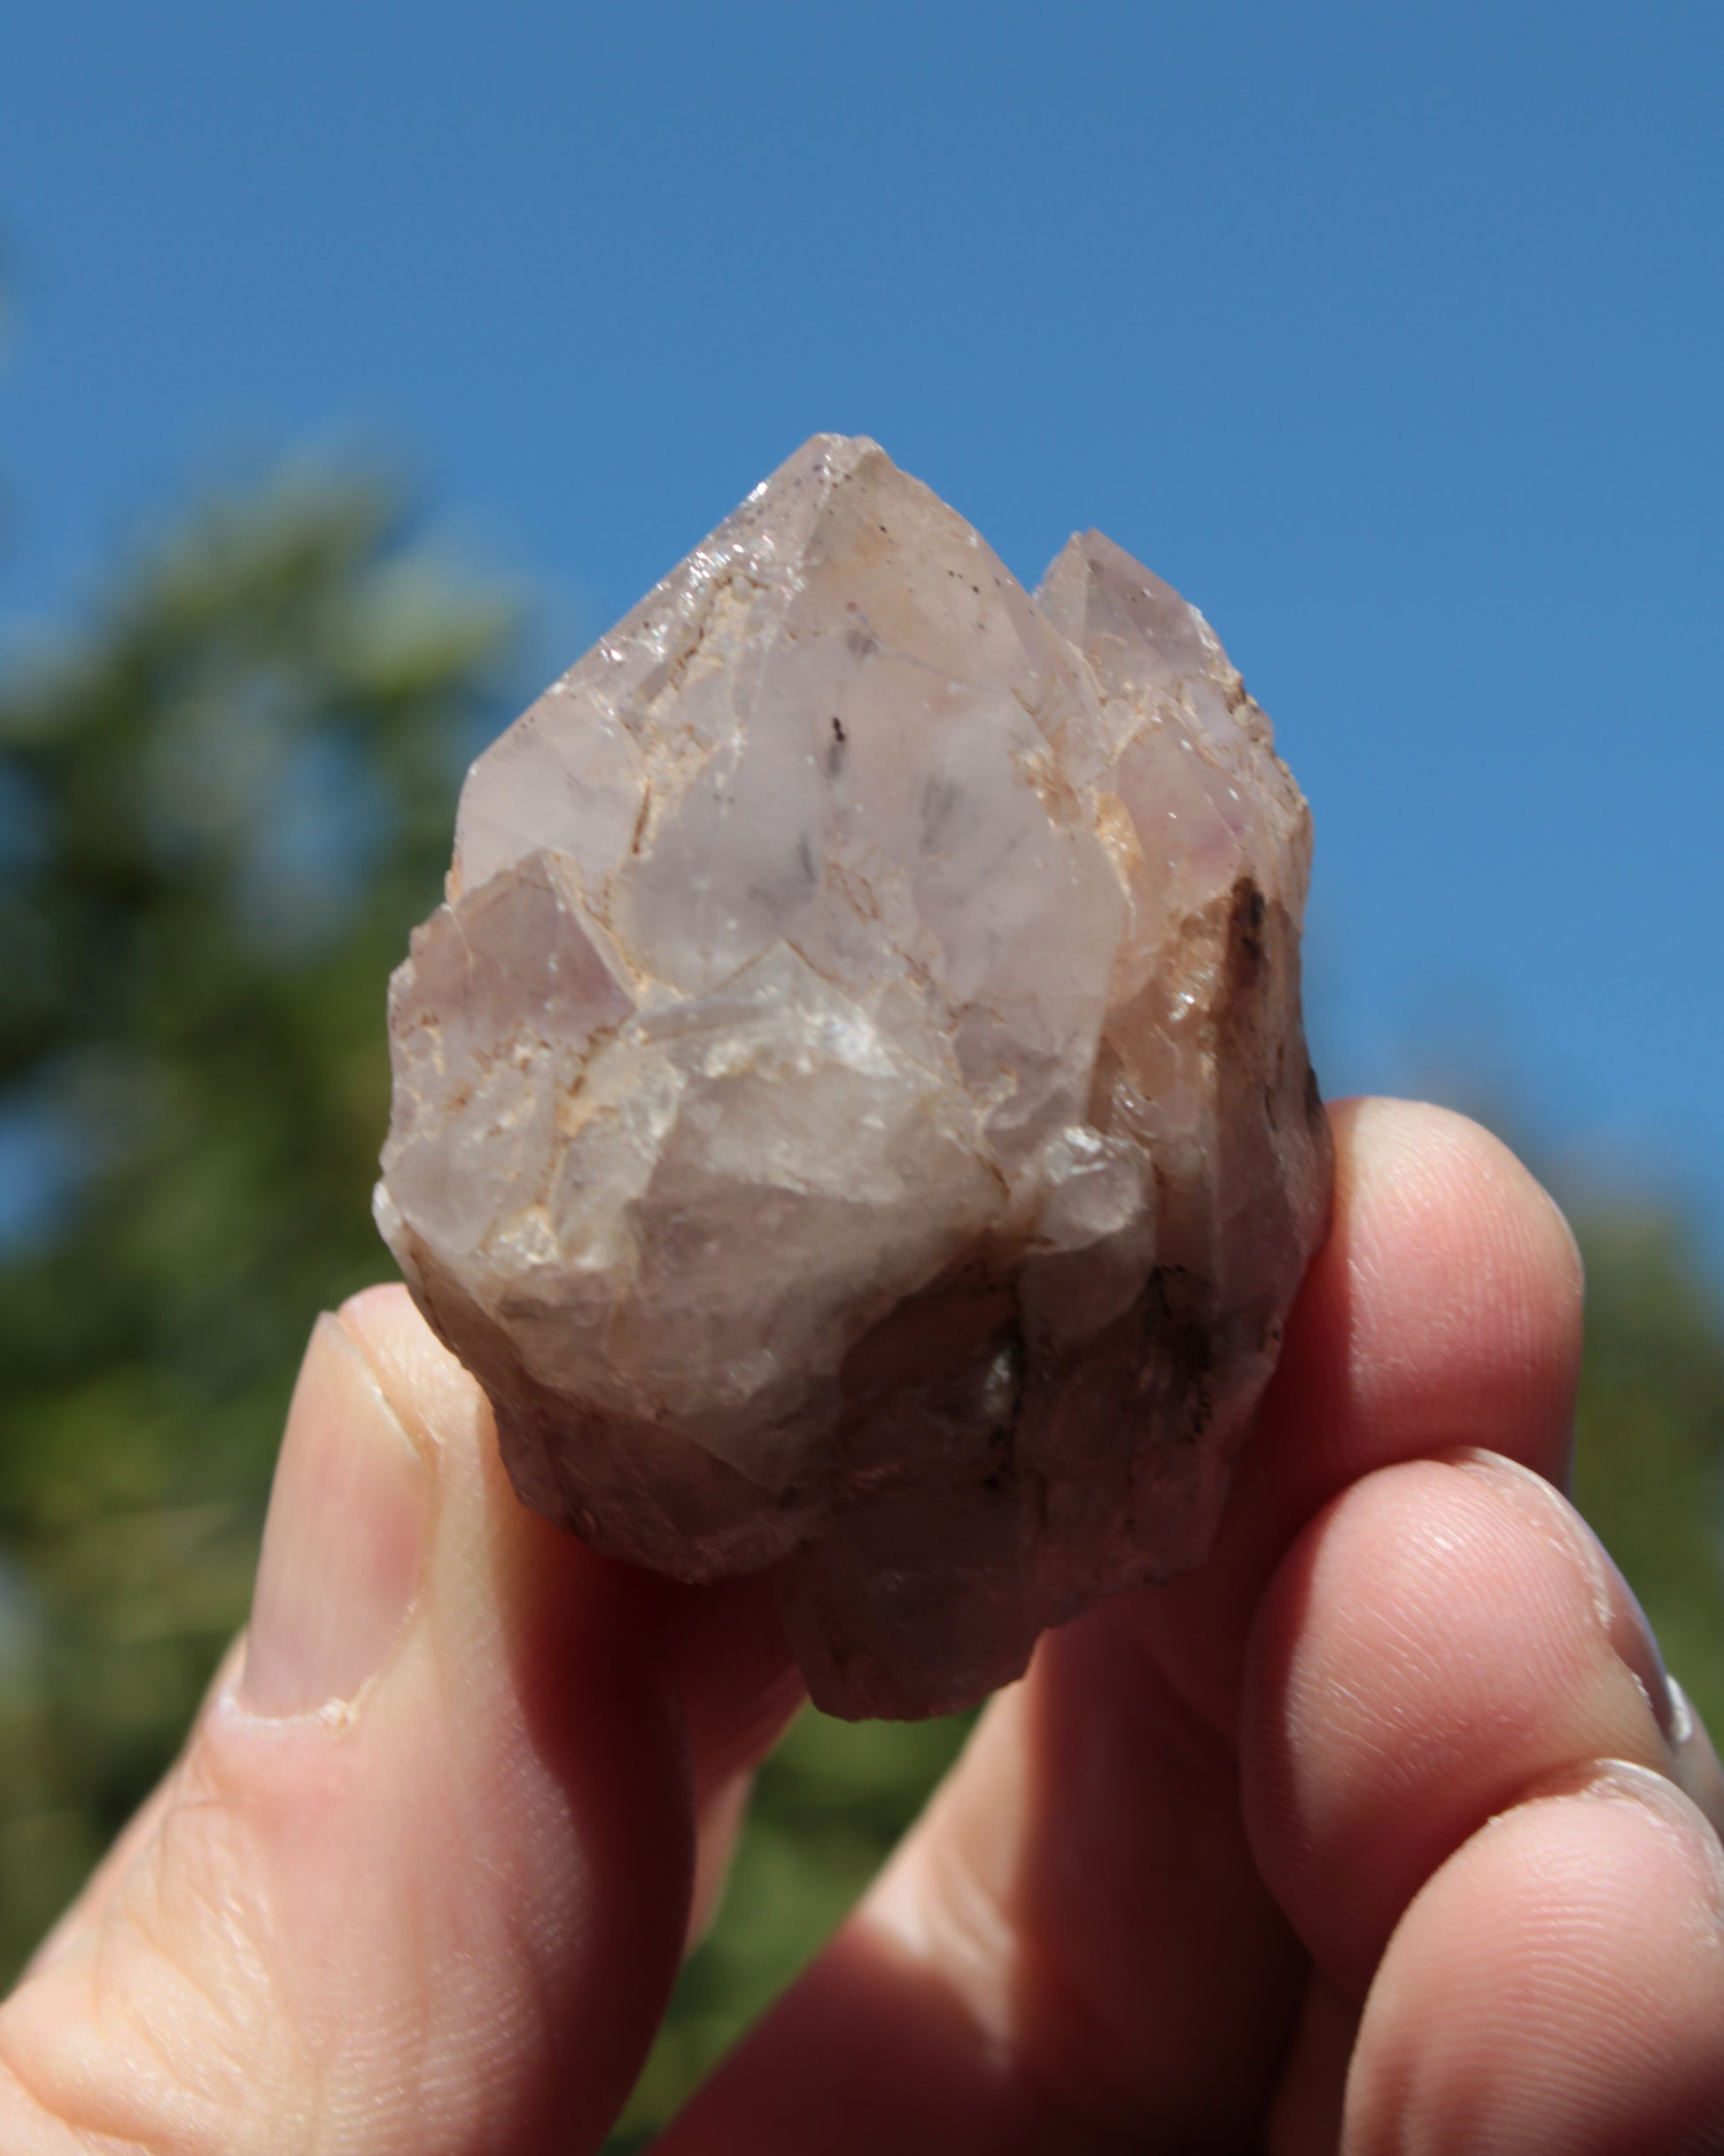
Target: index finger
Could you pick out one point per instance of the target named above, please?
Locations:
(1074, 1944)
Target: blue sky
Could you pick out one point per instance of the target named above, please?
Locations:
(1393, 336)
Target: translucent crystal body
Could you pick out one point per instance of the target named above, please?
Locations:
(852, 1113)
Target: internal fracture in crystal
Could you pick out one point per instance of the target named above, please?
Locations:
(852, 1112)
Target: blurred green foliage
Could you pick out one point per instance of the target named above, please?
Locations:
(1649, 1450)
(221, 807)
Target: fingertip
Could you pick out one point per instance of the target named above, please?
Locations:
(387, 1312)
(423, 1379)
(1557, 1988)
(1413, 1164)
(1420, 1170)
(1442, 1636)
(1445, 1307)
(382, 1296)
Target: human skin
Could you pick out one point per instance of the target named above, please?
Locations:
(1383, 1830)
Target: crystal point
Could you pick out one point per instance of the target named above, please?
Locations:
(852, 1113)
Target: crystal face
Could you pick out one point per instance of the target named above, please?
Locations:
(852, 1113)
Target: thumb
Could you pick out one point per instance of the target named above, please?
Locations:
(422, 1878)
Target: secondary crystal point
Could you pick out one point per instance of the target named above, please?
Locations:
(852, 1113)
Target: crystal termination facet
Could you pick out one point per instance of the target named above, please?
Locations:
(852, 1112)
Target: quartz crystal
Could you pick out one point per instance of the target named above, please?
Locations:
(852, 1112)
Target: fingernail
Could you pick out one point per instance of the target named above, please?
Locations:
(342, 1545)
(1636, 1644)
(1683, 1723)
(1631, 1638)
(1693, 1763)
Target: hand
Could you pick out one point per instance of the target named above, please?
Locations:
(1391, 1798)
